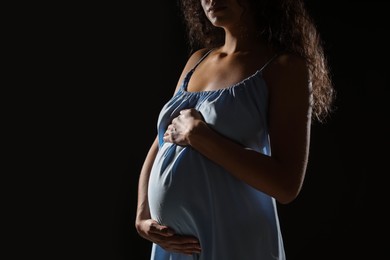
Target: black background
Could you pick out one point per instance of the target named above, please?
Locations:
(120, 64)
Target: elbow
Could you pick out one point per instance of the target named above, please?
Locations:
(286, 198)
(288, 194)
(290, 186)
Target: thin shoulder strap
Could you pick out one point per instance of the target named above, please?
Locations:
(269, 61)
(202, 58)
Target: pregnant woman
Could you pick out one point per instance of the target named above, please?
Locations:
(234, 138)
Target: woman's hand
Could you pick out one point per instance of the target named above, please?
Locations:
(166, 238)
(183, 126)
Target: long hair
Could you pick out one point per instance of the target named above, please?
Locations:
(284, 24)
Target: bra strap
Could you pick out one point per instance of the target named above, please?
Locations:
(269, 61)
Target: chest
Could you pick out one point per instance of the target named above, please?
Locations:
(217, 72)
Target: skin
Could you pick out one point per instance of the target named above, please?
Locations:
(280, 175)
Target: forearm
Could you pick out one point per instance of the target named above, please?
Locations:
(142, 202)
(260, 171)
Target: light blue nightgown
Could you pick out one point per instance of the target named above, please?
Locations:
(195, 196)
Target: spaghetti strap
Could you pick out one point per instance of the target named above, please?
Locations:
(201, 59)
(269, 61)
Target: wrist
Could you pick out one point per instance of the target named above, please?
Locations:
(197, 133)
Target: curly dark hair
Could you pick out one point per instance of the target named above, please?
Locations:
(284, 24)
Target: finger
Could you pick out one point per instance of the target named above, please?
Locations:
(170, 129)
(185, 239)
(187, 246)
(186, 111)
(161, 230)
(184, 249)
(168, 133)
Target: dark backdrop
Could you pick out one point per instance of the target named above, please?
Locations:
(128, 58)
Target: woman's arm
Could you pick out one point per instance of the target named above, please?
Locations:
(149, 228)
(142, 202)
(281, 174)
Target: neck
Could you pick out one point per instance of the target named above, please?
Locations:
(242, 41)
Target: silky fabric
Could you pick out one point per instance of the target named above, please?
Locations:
(195, 196)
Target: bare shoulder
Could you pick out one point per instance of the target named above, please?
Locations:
(191, 62)
(287, 68)
(195, 57)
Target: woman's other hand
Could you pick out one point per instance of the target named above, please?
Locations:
(166, 238)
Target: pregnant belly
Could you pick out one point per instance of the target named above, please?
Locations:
(178, 191)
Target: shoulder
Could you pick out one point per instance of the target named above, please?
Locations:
(287, 70)
(196, 56)
(286, 64)
(193, 59)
